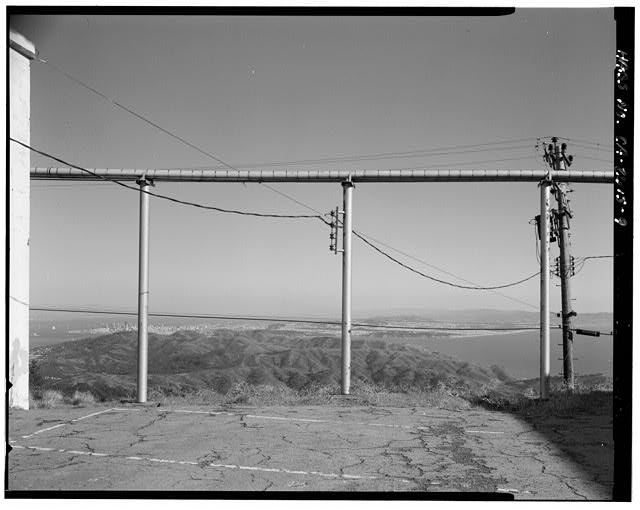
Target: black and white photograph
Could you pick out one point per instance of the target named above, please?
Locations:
(319, 252)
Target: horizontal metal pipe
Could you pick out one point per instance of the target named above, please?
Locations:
(218, 175)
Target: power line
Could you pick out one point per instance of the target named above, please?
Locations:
(383, 155)
(165, 197)
(74, 185)
(588, 142)
(135, 114)
(439, 280)
(289, 197)
(598, 159)
(246, 213)
(344, 158)
(173, 135)
(587, 147)
(224, 163)
(535, 236)
(462, 163)
(444, 271)
(139, 116)
(368, 157)
(281, 319)
(292, 320)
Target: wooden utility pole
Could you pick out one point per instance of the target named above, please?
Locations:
(560, 162)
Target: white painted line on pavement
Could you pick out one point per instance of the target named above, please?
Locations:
(189, 411)
(483, 432)
(92, 414)
(292, 419)
(225, 466)
(66, 423)
(44, 430)
(283, 418)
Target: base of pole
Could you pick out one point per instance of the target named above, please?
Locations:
(140, 404)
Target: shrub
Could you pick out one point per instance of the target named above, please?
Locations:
(82, 398)
(48, 399)
(35, 377)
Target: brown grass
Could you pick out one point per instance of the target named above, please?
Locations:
(361, 393)
(48, 399)
(584, 398)
(82, 399)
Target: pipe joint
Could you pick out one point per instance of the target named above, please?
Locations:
(144, 181)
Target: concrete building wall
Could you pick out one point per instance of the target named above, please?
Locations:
(20, 55)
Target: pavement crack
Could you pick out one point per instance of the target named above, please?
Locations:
(140, 437)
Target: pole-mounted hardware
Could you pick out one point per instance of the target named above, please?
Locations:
(587, 332)
(335, 224)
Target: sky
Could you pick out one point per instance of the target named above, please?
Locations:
(255, 90)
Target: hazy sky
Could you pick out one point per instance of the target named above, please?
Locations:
(262, 89)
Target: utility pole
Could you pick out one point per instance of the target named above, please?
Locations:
(347, 187)
(545, 334)
(143, 289)
(560, 161)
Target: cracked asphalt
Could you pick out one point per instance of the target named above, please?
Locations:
(312, 448)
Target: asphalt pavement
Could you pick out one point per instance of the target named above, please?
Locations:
(310, 448)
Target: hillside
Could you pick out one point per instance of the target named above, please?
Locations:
(188, 361)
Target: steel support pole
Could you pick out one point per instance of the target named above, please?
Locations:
(545, 360)
(347, 191)
(143, 290)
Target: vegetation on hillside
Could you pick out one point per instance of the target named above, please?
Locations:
(269, 368)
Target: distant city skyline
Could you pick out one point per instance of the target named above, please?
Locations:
(266, 89)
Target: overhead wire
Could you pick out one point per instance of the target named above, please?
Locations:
(212, 156)
(462, 163)
(595, 159)
(442, 270)
(246, 213)
(283, 319)
(157, 126)
(165, 197)
(224, 163)
(592, 148)
(579, 140)
(535, 235)
(438, 280)
(134, 113)
(482, 327)
(372, 157)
